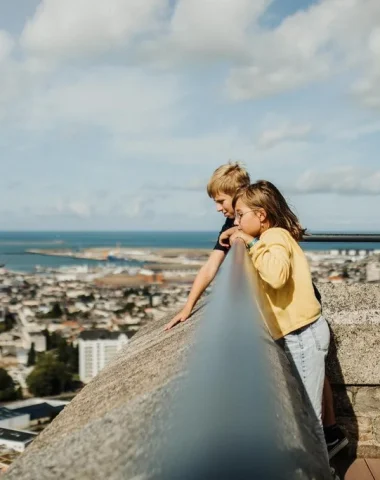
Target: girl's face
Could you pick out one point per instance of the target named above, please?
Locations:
(248, 220)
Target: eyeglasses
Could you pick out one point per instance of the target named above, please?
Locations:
(239, 216)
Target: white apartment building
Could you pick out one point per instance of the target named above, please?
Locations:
(373, 272)
(96, 349)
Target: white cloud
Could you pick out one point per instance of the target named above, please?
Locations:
(63, 208)
(330, 37)
(285, 133)
(79, 209)
(119, 100)
(140, 206)
(367, 90)
(215, 29)
(209, 148)
(359, 131)
(74, 28)
(6, 45)
(345, 180)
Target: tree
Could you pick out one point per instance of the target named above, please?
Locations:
(69, 355)
(49, 377)
(31, 356)
(63, 351)
(52, 339)
(73, 362)
(8, 387)
(56, 311)
(8, 323)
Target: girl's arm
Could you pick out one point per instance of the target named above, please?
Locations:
(271, 257)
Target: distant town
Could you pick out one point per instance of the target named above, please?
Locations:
(60, 327)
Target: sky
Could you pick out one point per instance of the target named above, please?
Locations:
(113, 115)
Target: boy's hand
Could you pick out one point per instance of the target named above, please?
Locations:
(182, 316)
(224, 238)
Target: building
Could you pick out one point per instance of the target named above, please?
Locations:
(37, 410)
(13, 419)
(16, 439)
(96, 349)
(373, 272)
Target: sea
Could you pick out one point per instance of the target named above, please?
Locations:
(14, 245)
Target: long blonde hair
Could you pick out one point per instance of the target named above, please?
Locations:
(265, 195)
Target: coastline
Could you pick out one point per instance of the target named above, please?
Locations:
(154, 255)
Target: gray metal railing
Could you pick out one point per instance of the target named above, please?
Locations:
(343, 237)
(239, 413)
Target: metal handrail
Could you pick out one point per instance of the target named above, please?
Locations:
(343, 237)
(238, 413)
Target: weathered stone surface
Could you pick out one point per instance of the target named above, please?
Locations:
(107, 430)
(357, 428)
(353, 312)
(113, 428)
(367, 402)
(376, 429)
(368, 451)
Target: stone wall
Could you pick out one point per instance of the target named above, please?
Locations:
(354, 362)
(360, 417)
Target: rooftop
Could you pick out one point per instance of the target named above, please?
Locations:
(99, 334)
(41, 410)
(16, 435)
(112, 411)
(5, 413)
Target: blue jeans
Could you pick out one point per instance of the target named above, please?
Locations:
(306, 350)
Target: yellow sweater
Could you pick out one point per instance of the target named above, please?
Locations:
(289, 301)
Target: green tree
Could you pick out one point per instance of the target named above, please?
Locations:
(73, 361)
(69, 355)
(49, 377)
(63, 350)
(52, 339)
(10, 320)
(47, 338)
(56, 311)
(8, 389)
(31, 356)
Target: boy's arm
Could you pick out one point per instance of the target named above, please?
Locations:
(271, 257)
(203, 279)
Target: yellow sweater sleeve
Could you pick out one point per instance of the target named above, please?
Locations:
(271, 257)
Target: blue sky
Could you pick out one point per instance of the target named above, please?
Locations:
(114, 114)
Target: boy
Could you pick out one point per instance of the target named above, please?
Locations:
(222, 187)
(224, 183)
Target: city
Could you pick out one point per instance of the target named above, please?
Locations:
(84, 316)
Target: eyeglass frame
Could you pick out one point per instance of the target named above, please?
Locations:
(239, 216)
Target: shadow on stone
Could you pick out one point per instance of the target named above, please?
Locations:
(344, 411)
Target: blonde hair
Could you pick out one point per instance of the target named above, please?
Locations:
(265, 195)
(228, 179)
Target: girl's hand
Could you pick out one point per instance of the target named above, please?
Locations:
(239, 234)
(224, 238)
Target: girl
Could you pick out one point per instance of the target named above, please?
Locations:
(271, 232)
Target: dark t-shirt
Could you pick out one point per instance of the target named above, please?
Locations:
(229, 223)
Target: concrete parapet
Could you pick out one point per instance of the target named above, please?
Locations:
(107, 430)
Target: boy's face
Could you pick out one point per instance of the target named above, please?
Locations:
(224, 204)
